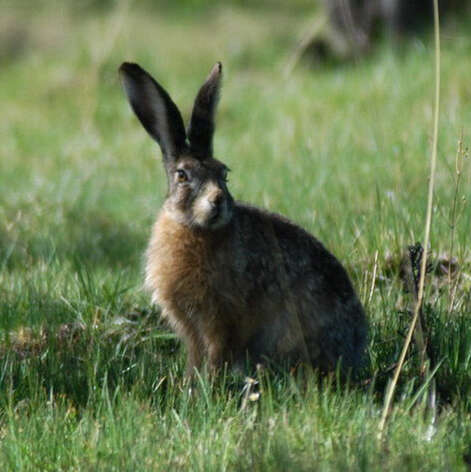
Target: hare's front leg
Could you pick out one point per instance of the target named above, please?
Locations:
(194, 359)
(222, 352)
(216, 354)
(188, 333)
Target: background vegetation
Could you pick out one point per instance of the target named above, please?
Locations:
(89, 378)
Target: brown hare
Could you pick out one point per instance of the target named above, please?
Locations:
(235, 282)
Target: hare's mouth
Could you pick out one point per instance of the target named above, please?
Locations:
(219, 216)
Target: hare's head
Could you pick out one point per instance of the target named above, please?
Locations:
(197, 191)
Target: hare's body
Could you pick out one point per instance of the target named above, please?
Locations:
(234, 281)
(259, 287)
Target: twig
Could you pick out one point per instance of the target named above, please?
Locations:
(373, 280)
(460, 154)
(304, 44)
(433, 160)
(100, 52)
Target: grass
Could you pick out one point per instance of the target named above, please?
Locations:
(89, 378)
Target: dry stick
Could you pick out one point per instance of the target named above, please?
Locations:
(102, 51)
(353, 36)
(453, 217)
(392, 386)
(304, 44)
(373, 279)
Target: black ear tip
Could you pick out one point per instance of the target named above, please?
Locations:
(129, 68)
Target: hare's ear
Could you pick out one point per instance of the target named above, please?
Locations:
(155, 109)
(201, 128)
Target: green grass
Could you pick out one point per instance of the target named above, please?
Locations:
(89, 378)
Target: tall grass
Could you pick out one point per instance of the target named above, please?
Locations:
(89, 377)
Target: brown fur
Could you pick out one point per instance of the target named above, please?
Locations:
(234, 281)
(186, 283)
(228, 303)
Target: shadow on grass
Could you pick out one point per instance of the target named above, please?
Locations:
(448, 347)
(137, 351)
(79, 361)
(92, 237)
(98, 238)
(33, 306)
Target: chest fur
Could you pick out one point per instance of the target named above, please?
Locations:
(180, 266)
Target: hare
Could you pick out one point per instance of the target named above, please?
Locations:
(236, 282)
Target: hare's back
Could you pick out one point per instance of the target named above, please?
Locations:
(275, 244)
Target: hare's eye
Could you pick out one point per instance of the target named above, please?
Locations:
(181, 176)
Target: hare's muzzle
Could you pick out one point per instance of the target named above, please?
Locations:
(212, 209)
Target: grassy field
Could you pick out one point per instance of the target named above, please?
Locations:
(89, 378)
